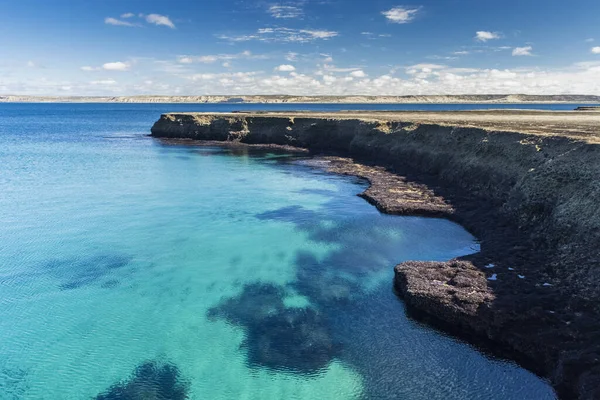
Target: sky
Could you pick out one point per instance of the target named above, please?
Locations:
(299, 47)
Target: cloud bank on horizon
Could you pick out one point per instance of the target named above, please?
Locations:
(300, 47)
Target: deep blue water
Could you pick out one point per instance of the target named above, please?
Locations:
(130, 268)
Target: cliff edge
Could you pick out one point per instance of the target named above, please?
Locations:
(525, 183)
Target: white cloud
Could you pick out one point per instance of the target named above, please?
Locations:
(240, 77)
(213, 58)
(185, 60)
(424, 71)
(401, 14)
(291, 56)
(319, 34)
(358, 74)
(116, 66)
(462, 53)
(104, 82)
(282, 35)
(279, 11)
(484, 36)
(88, 68)
(522, 51)
(422, 79)
(118, 22)
(419, 79)
(285, 68)
(30, 64)
(208, 59)
(373, 36)
(590, 40)
(155, 19)
(158, 19)
(596, 50)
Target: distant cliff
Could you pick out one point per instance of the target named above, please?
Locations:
(357, 99)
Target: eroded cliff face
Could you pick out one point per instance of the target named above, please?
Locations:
(532, 199)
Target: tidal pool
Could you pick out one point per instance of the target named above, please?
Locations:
(133, 269)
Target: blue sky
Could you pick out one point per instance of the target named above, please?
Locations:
(62, 47)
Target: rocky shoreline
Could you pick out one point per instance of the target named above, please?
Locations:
(529, 195)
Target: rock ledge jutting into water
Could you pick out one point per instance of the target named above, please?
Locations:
(526, 183)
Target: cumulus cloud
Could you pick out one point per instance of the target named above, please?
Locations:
(88, 68)
(116, 66)
(279, 11)
(127, 15)
(358, 74)
(419, 79)
(484, 36)
(158, 19)
(118, 22)
(282, 35)
(596, 50)
(522, 51)
(285, 68)
(401, 14)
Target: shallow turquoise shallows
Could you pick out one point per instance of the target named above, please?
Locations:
(135, 269)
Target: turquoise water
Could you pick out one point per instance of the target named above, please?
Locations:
(134, 269)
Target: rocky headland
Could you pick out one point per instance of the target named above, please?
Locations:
(526, 183)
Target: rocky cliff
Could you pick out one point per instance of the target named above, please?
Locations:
(524, 183)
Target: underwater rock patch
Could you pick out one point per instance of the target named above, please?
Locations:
(150, 381)
(278, 338)
(319, 282)
(256, 302)
(295, 339)
(77, 272)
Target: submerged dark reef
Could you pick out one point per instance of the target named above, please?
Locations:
(364, 329)
(77, 272)
(151, 380)
(279, 338)
(303, 340)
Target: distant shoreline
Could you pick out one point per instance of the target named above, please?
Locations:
(285, 99)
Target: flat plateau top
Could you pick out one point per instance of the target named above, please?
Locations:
(580, 125)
